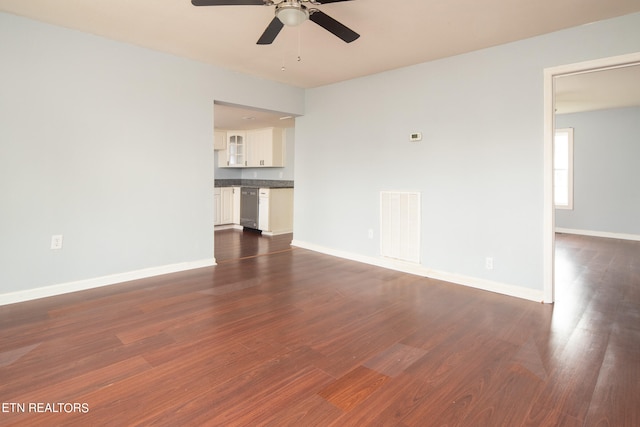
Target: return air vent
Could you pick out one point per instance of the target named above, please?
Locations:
(400, 225)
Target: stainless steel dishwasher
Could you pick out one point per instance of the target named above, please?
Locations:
(249, 207)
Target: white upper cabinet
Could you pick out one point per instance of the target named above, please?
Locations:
(265, 148)
(256, 148)
(219, 140)
(235, 155)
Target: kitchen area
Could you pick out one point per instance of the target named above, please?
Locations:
(260, 205)
(253, 187)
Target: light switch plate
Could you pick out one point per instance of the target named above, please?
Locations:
(56, 241)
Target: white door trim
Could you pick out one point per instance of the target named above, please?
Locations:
(549, 125)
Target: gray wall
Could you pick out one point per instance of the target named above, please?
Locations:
(606, 172)
(110, 145)
(479, 166)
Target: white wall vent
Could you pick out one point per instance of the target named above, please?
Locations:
(400, 225)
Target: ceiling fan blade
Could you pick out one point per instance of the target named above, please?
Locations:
(272, 31)
(333, 26)
(227, 2)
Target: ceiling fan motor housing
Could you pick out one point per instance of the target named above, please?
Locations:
(291, 13)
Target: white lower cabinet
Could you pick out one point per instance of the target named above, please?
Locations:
(226, 205)
(217, 214)
(263, 209)
(275, 210)
(236, 205)
(225, 201)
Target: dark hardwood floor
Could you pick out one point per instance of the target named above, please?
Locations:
(274, 336)
(233, 244)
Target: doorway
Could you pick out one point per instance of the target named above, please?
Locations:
(234, 119)
(551, 76)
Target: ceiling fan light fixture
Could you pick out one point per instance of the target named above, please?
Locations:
(292, 13)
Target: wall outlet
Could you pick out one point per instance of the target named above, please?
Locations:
(416, 136)
(488, 263)
(370, 233)
(56, 241)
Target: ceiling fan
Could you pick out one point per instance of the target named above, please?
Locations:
(292, 13)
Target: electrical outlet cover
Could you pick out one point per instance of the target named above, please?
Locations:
(488, 263)
(56, 241)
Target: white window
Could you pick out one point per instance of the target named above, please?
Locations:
(563, 168)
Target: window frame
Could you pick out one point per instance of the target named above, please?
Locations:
(569, 133)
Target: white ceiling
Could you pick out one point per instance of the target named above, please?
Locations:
(393, 33)
(234, 117)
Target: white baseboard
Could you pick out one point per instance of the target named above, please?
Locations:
(276, 233)
(623, 236)
(96, 282)
(419, 270)
(228, 227)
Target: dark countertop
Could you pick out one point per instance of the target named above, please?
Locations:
(256, 183)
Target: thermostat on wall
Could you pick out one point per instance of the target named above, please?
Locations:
(417, 136)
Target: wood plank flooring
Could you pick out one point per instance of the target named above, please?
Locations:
(231, 244)
(274, 336)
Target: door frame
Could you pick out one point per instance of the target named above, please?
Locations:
(549, 127)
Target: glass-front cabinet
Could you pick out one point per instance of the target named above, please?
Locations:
(236, 150)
